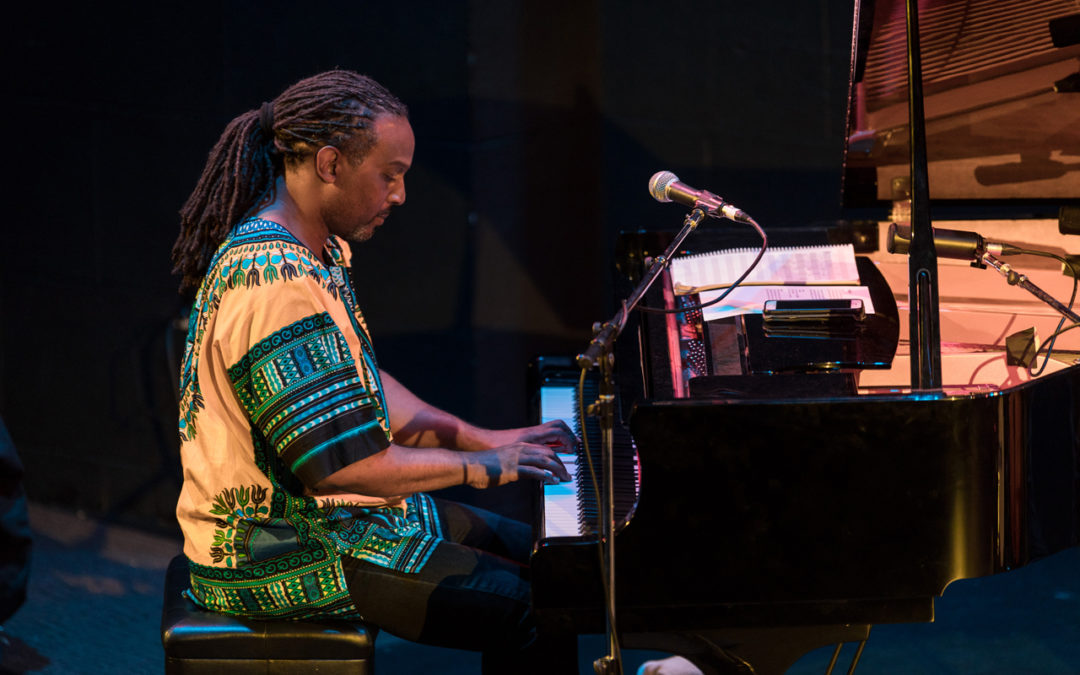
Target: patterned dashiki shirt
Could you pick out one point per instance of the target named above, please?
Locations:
(280, 388)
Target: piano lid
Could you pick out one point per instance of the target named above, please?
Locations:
(1001, 82)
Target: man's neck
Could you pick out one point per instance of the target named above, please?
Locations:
(288, 212)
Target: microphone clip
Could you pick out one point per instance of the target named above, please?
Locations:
(698, 214)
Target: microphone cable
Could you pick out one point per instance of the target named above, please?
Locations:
(732, 287)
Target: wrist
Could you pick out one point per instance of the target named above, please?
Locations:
(473, 471)
(473, 439)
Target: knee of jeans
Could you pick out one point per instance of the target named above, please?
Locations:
(514, 635)
(517, 628)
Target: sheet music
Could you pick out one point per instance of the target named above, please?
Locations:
(798, 265)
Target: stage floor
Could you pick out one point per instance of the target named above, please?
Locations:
(95, 601)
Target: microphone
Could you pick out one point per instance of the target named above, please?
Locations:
(955, 244)
(664, 186)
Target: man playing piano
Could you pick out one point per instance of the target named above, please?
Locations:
(305, 465)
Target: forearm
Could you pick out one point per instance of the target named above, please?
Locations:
(434, 428)
(417, 424)
(398, 471)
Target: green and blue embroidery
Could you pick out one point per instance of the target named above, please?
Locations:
(233, 508)
(289, 572)
(301, 390)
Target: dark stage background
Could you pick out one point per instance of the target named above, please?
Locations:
(538, 126)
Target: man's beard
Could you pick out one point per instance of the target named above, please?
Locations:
(361, 234)
(366, 231)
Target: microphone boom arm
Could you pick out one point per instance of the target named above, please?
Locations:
(1016, 279)
(605, 334)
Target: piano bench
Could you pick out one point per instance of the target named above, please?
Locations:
(199, 642)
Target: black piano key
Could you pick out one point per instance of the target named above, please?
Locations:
(624, 468)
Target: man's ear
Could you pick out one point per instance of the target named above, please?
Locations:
(326, 163)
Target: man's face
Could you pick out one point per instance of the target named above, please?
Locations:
(364, 192)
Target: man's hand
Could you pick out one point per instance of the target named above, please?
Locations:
(555, 434)
(508, 463)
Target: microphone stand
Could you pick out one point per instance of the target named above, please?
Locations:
(600, 352)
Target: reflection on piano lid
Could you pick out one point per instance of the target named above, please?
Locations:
(997, 125)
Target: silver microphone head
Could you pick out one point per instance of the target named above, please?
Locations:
(659, 183)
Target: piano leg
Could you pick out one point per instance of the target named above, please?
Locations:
(746, 651)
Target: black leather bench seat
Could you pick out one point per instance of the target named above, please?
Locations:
(197, 641)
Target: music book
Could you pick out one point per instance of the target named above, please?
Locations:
(826, 264)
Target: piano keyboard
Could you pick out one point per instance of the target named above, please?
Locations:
(570, 508)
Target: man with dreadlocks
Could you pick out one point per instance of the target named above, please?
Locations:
(305, 465)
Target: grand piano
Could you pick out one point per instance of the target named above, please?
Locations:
(777, 493)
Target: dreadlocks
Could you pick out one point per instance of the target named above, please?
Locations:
(336, 108)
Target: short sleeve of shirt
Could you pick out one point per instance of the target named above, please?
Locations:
(304, 386)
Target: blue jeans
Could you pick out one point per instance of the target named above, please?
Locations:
(472, 593)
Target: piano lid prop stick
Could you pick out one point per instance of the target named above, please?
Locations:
(925, 328)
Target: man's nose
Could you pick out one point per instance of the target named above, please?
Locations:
(397, 195)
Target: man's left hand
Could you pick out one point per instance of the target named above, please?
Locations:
(555, 434)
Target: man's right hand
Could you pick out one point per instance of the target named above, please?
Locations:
(508, 463)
